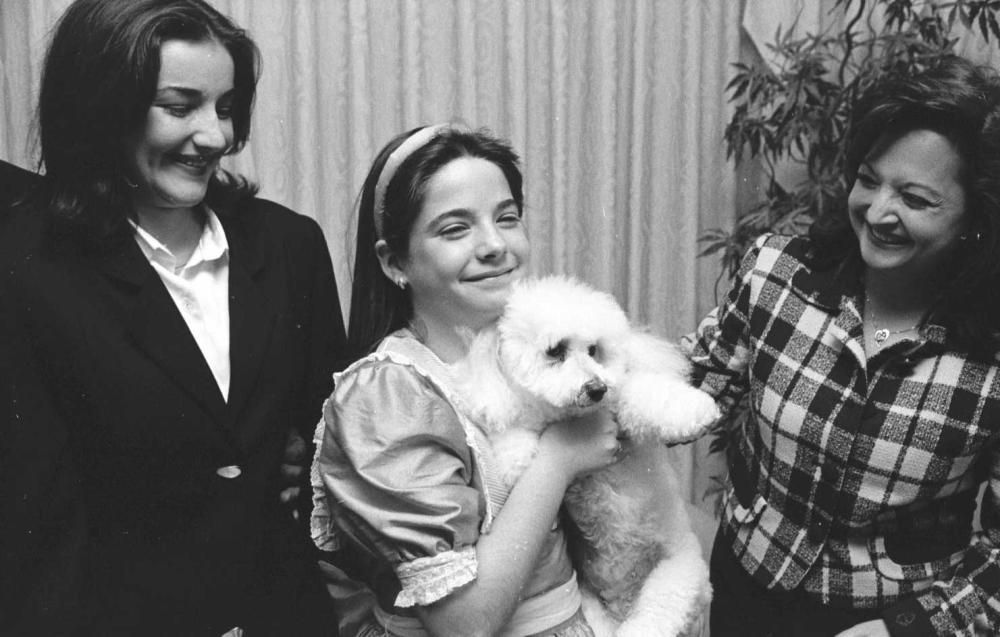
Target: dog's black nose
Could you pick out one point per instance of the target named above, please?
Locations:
(595, 390)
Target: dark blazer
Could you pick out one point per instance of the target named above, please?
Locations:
(136, 500)
(14, 183)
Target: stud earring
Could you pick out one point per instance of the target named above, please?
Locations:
(401, 283)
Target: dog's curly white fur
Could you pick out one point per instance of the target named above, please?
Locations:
(562, 348)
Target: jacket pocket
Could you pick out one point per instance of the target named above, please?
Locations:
(923, 541)
(914, 563)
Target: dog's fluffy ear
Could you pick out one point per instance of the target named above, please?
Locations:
(480, 375)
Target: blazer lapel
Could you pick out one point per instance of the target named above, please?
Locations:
(251, 316)
(159, 329)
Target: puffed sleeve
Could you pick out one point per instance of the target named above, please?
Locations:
(398, 475)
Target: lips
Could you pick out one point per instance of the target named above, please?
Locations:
(885, 239)
(196, 163)
(487, 276)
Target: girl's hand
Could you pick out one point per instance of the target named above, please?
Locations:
(294, 467)
(580, 445)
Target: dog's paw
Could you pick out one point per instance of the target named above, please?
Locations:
(704, 409)
(692, 412)
(671, 412)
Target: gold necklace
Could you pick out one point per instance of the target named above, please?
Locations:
(882, 334)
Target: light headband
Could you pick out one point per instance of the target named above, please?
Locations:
(410, 145)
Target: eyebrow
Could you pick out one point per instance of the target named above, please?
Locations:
(187, 91)
(458, 213)
(465, 213)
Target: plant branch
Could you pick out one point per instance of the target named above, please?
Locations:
(849, 41)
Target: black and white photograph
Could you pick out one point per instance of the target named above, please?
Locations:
(513, 318)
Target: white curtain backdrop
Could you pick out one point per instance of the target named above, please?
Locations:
(616, 106)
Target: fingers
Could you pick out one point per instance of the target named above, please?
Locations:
(621, 449)
(582, 444)
(289, 494)
(616, 453)
(607, 441)
(296, 450)
(292, 472)
(602, 421)
(608, 437)
(295, 461)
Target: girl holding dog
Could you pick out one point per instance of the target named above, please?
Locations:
(404, 484)
(870, 354)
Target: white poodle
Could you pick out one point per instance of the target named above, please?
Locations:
(560, 349)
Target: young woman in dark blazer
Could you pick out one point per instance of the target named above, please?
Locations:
(164, 332)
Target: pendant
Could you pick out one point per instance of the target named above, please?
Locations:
(881, 336)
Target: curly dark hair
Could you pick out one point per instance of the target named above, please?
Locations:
(377, 306)
(960, 101)
(98, 82)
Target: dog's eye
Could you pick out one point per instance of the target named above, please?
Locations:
(557, 351)
(592, 351)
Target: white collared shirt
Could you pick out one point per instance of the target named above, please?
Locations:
(200, 289)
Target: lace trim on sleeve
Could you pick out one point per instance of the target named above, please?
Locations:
(428, 579)
(321, 527)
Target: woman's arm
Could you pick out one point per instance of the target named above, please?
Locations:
(507, 555)
(719, 348)
(317, 309)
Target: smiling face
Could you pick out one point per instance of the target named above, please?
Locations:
(187, 128)
(908, 205)
(467, 247)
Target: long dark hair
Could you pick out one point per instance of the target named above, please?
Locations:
(960, 101)
(98, 82)
(377, 306)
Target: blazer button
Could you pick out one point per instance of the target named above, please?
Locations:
(229, 472)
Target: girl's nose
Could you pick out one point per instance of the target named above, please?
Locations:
(491, 244)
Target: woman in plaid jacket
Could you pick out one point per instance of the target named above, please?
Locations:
(869, 352)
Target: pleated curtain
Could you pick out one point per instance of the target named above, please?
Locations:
(617, 108)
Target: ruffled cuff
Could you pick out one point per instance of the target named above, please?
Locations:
(324, 534)
(428, 579)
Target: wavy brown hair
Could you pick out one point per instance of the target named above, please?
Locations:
(98, 82)
(960, 101)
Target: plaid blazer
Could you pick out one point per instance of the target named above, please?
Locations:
(854, 479)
